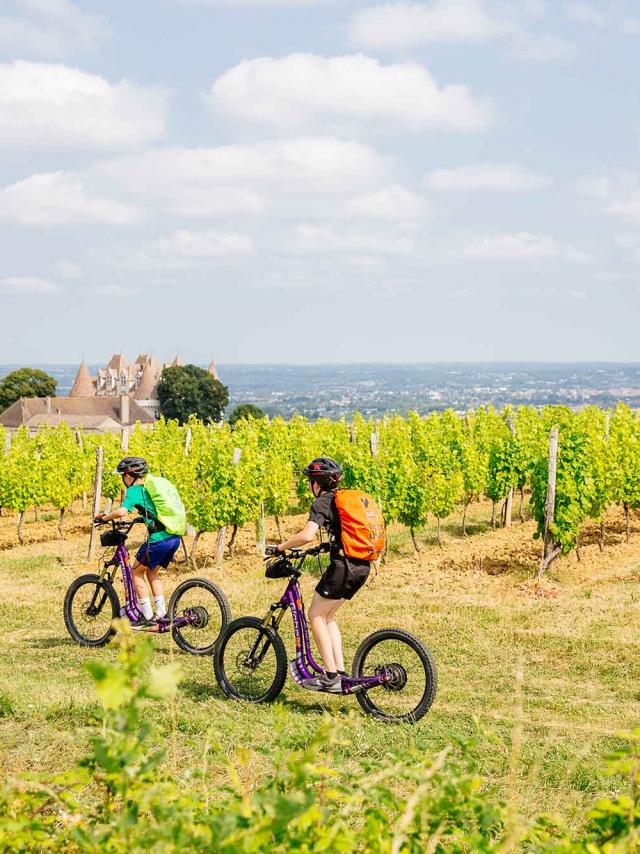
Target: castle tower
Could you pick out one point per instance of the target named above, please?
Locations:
(83, 385)
(213, 370)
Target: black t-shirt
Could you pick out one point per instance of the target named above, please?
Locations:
(323, 512)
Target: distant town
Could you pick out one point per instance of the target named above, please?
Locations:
(333, 391)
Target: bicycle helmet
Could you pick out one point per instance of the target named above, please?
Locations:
(325, 471)
(137, 466)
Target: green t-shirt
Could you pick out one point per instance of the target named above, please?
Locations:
(138, 500)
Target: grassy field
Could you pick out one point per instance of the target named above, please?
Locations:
(560, 660)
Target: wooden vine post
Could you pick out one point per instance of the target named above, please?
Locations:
(551, 551)
(509, 502)
(222, 533)
(124, 439)
(97, 494)
(187, 442)
(261, 542)
(603, 530)
(373, 446)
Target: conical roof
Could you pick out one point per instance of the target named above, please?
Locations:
(83, 385)
(117, 362)
(148, 382)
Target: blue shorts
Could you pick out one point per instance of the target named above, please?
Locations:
(159, 553)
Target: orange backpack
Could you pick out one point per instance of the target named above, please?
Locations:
(362, 523)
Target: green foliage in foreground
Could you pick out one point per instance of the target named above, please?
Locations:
(123, 797)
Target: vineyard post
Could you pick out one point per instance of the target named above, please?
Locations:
(222, 533)
(80, 442)
(187, 442)
(603, 530)
(509, 503)
(551, 551)
(97, 493)
(373, 444)
(7, 443)
(124, 439)
(261, 542)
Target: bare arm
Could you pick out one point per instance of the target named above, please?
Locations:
(118, 513)
(306, 535)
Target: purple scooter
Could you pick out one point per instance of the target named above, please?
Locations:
(393, 674)
(198, 609)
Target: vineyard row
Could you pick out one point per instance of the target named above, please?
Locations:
(415, 466)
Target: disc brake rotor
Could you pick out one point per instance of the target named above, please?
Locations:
(397, 676)
(198, 617)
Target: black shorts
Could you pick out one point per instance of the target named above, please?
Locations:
(343, 578)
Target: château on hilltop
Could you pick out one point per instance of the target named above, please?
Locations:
(139, 380)
(120, 395)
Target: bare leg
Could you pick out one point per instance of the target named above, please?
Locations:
(153, 576)
(321, 615)
(336, 637)
(138, 570)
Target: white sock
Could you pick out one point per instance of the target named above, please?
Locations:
(161, 606)
(145, 607)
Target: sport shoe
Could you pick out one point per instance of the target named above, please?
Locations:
(145, 624)
(324, 683)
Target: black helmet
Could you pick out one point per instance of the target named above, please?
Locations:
(137, 466)
(325, 471)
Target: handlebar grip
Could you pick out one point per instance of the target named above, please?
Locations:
(271, 550)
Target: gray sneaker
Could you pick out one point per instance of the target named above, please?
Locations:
(324, 683)
(145, 625)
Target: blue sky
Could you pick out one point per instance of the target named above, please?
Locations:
(319, 180)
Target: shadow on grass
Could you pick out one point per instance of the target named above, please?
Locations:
(53, 643)
(200, 691)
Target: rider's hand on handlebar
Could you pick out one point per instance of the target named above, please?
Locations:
(271, 550)
(99, 519)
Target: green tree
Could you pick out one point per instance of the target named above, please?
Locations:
(246, 411)
(186, 391)
(25, 382)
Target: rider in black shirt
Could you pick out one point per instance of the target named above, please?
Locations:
(341, 580)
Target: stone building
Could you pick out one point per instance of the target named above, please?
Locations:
(93, 415)
(121, 394)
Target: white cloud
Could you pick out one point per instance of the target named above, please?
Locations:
(310, 239)
(486, 177)
(29, 286)
(584, 13)
(199, 182)
(57, 199)
(54, 106)
(313, 93)
(618, 192)
(52, 29)
(393, 202)
(402, 25)
(69, 270)
(282, 177)
(184, 249)
(522, 246)
(630, 242)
